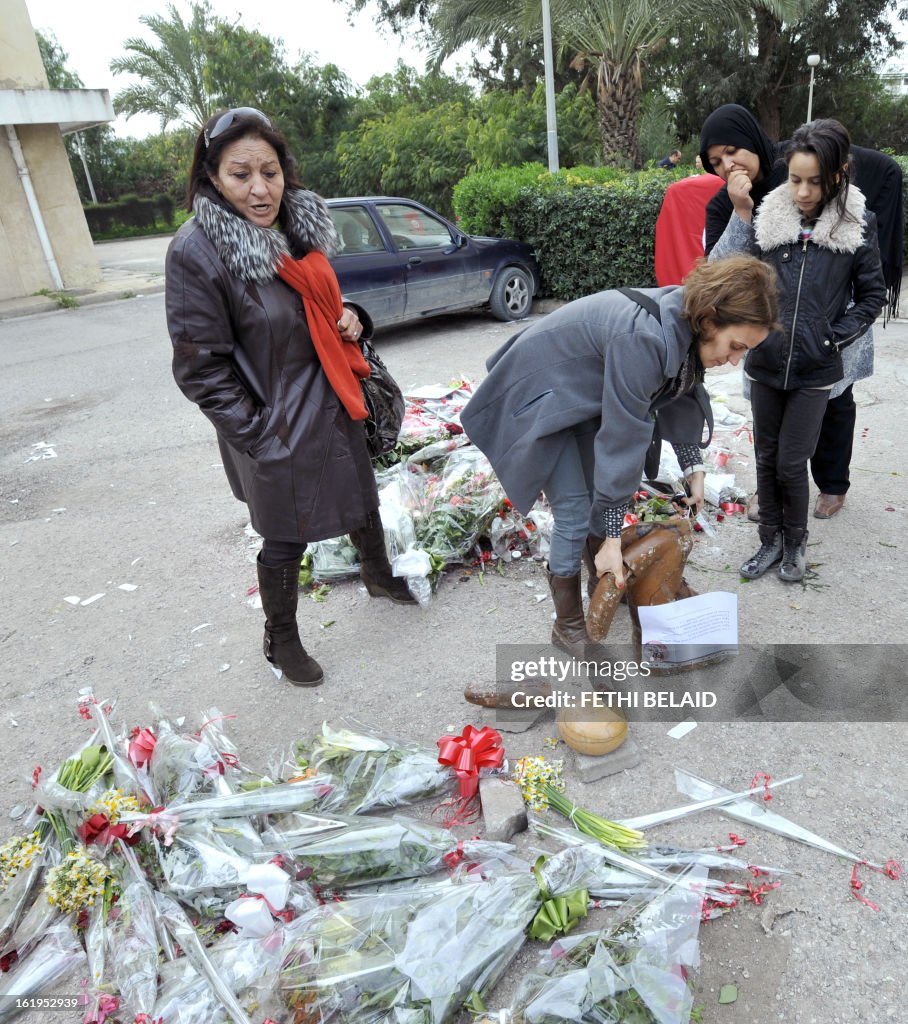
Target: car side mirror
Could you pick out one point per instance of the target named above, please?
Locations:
(460, 240)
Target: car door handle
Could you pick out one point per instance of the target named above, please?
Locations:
(414, 261)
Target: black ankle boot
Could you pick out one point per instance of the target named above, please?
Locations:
(279, 589)
(769, 553)
(374, 567)
(794, 556)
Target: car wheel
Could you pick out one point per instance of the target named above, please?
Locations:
(512, 294)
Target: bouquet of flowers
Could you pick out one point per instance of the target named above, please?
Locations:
(510, 532)
(460, 498)
(180, 766)
(246, 968)
(371, 771)
(268, 798)
(425, 952)
(21, 860)
(203, 870)
(57, 954)
(632, 972)
(70, 791)
(132, 946)
(345, 851)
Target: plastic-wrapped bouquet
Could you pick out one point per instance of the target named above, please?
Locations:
(57, 954)
(372, 771)
(461, 497)
(425, 951)
(341, 851)
(634, 972)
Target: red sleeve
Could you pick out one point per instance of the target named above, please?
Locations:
(679, 229)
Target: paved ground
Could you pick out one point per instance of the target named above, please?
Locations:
(136, 495)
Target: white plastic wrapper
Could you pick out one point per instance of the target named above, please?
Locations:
(669, 467)
(715, 483)
(414, 566)
(334, 559)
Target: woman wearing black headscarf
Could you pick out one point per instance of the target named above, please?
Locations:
(735, 147)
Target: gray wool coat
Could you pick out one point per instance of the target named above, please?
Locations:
(601, 358)
(243, 353)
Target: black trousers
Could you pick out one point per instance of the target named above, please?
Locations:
(279, 552)
(829, 463)
(786, 427)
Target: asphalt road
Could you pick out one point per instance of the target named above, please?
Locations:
(135, 495)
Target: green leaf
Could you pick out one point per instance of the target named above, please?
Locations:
(728, 994)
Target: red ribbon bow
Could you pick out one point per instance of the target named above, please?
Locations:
(98, 829)
(467, 753)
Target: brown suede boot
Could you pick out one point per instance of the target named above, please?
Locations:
(569, 631)
(374, 567)
(279, 590)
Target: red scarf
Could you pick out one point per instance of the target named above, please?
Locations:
(343, 362)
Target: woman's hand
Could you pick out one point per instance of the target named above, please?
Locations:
(739, 186)
(349, 326)
(695, 483)
(608, 559)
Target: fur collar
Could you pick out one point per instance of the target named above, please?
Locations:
(252, 253)
(778, 222)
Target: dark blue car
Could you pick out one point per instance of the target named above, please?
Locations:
(400, 261)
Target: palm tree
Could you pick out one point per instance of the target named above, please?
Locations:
(173, 73)
(610, 40)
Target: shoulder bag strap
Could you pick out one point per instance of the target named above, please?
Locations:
(646, 301)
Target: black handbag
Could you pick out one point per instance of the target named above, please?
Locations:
(384, 402)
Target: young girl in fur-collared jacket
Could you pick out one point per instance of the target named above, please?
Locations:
(820, 238)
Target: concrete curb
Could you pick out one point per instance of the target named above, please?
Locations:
(34, 305)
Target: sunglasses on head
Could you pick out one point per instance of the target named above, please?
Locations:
(226, 120)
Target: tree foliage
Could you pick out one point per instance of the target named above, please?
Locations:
(59, 76)
(764, 67)
(418, 135)
(608, 41)
(172, 73)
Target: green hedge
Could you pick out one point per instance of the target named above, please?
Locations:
(592, 227)
(130, 215)
(484, 201)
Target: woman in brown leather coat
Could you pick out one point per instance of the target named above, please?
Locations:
(274, 368)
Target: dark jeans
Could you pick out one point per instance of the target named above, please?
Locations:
(829, 463)
(786, 428)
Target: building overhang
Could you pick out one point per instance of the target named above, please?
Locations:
(72, 109)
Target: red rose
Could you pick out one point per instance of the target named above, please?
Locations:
(141, 746)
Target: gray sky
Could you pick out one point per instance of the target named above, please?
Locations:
(92, 33)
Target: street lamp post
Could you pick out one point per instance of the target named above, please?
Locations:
(551, 123)
(813, 59)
